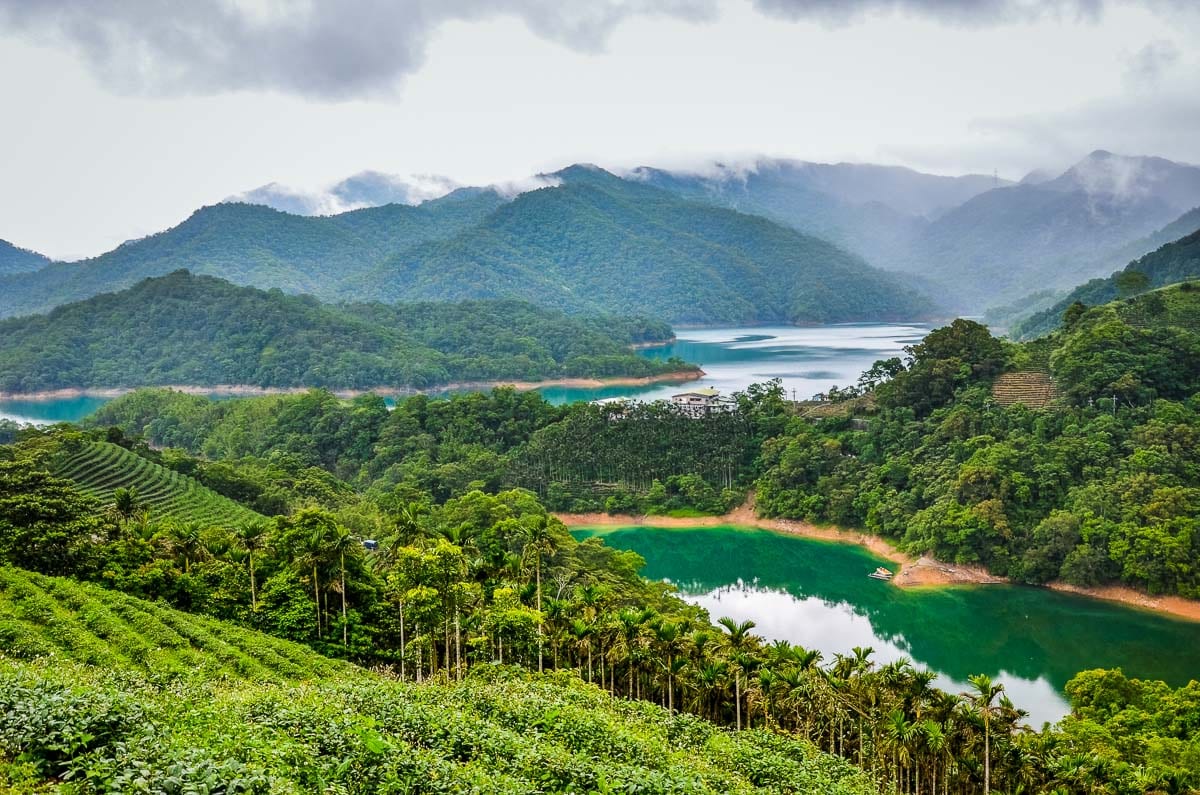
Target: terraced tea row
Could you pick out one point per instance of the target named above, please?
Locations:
(44, 616)
(100, 468)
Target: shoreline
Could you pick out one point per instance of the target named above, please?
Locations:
(250, 390)
(913, 572)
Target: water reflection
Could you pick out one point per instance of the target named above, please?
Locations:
(817, 594)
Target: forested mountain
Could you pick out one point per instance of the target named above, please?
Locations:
(1173, 263)
(200, 330)
(597, 241)
(20, 260)
(255, 245)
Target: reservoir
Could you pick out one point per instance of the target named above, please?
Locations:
(816, 594)
(807, 359)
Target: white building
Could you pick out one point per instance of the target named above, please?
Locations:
(702, 402)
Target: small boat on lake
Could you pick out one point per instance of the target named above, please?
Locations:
(880, 574)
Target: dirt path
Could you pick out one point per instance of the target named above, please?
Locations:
(922, 571)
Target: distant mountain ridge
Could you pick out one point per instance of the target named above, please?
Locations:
(983, 242)
(592, 243)
(19, 260)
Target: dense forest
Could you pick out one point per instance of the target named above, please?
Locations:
(1102, 487)
(592, 244)
(198, 330)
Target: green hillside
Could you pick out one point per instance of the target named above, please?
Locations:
(1175, 262)
(179, 703)
(597, 242)
(255, 245)
(100, 468)
(182, 329)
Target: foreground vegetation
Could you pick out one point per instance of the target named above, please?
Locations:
(202, 331)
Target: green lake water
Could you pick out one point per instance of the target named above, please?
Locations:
(817, 594)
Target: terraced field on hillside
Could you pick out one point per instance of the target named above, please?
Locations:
(101, 468)
(44, 616)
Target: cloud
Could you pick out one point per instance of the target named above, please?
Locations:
(954, 12)
(328, 49)
(365, 189)
(1148, 64)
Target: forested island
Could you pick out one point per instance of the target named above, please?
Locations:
(201, 331)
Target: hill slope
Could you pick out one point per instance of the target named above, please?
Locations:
(254, 245)
(170, 703)
(100, 468)
(182, 329)
(597, 242)
(19, 260)
(53, 616)
(1175, 262)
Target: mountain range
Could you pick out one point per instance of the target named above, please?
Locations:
(592, 243)
(768, 241)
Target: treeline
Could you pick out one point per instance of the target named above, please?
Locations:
(199, 330)
(1104, 487)
(481, 579)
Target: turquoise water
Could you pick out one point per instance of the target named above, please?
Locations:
(48, 412)
(807, 360)
(817, 594)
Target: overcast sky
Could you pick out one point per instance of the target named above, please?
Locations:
(120, 117)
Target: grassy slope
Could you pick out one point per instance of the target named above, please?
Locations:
(136, 690)
(100, 468)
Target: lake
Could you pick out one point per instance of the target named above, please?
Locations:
(817, 594)
(806, 359)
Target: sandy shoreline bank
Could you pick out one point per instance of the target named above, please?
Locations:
(249, 390)
(913, 572)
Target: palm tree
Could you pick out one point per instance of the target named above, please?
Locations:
(339, 543)
(252, 537)
(539, 541)
(984, 694)
(739, 639)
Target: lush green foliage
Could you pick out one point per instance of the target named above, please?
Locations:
(197, 330)
(595, 244)
(1175, 262)
(1103, 488)
(498, 731)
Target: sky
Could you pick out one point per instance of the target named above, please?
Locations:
(121, 117)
